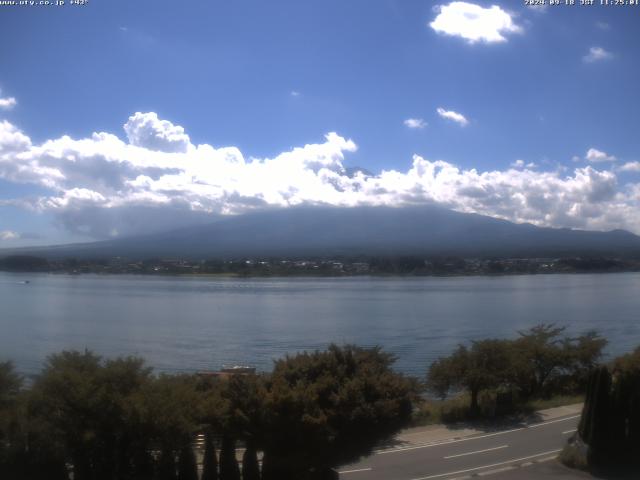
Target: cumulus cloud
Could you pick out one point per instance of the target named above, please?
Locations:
(8, 235)
(453, 116)
(104, 186)
(630, 167)
(595, 155)
(597, 54)
(474, 23)
(148, 131)
(7, 103)
(415, 123)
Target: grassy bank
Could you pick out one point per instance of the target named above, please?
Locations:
(456, 409)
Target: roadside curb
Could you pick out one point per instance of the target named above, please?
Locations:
(507, 468)
(445, 435)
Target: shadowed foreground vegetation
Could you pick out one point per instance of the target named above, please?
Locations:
(89, 418)
(608, 438)
(113, 419)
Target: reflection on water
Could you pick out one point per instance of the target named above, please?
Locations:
(185, 324)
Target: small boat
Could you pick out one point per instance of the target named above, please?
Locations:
(242, 369)
(226, 372)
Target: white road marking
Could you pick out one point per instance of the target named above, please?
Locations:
(486, 466)
(354, 471)
(495, 470)
(477, 451)
(536, 425)
(466, 439)
(570, 431)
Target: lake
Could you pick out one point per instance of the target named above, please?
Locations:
(182, 324)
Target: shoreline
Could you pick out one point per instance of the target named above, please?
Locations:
(318, 275)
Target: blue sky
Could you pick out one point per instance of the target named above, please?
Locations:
(547, 98)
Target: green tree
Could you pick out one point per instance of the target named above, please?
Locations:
(88, 406)
(168, 409)
(626, 407)
(229, 469)
(167, 465)
(324, 409)
(485, 365)
(610, 422)
(584, 353)
(540, 361)
(11, 442)
(10, 386)
(545, 360)
(250, 465)
(541, 350)
(65, 394)
(187, 467)
(210, 460)
(594, 422)
(241, 409)
(234, 407)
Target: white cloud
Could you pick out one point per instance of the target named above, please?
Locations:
(522, 164)
(454, 116)
(597, 54)
(595, 155)
(102, 185)
(9, 235)
(630, 167)
(146, 130)
(7, 103)
(415, 123)
(295, 93)
(474, 23)
(603, 25)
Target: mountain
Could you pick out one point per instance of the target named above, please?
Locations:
(331, 231)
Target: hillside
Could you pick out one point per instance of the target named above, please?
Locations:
(329, 231)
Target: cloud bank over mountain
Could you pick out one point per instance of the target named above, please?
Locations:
(157, 179)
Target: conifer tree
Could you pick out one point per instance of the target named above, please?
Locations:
(250, 467)
(167, 465)
(187, 468)
(229, 469)
(210, 461)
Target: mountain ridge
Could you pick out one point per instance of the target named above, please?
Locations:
(332, 231)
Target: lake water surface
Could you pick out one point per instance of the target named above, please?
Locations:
(187, 323)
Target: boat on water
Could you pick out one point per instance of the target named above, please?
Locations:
(238, 369)
(229, 371)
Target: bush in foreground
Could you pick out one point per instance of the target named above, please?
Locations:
(98, 419)
(608, 437)
(329, 408)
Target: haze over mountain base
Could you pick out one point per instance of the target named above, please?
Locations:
(331, 231)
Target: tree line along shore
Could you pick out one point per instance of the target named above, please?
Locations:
(320, 266)
(88, 418)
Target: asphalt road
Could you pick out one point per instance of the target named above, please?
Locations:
(484, 454)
